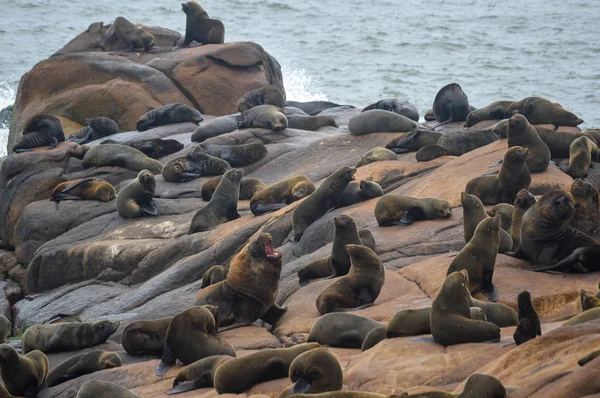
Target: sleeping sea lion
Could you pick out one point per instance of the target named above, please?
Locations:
(403, 210)
(266, 95)
(168, 114)
(541, 111)
(341, 329)
(200, 27)
(248, 188)
(194, 165)
(146, 337)
(377, 120)
(60, 337)
(104, 389)
(23, 375)
(235, 155)
(494, 111)
(430, 152)
(360, 192)
(375, 155)
(81, 365)
(374, 337)
(400, 107)
(84, 189)
(529, 321)
(499, 314)
(137, 198)
(154, 148)
(587, 208)
(473, 214)
(280, 194)
(310, 123)
(314, 371)
(98, 127)
(450, 105)
(199, 374)
(121, 156)
(264, 117)
(40, 130)
(221, 125)
(313, 108)
(413, 141)
(133, 36)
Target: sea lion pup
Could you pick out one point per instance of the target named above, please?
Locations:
(251, 286)
(82, 364)
(478, 257)
(521, 133)
(506, 212)
(194, 165)
(494, 111)
(168, 114)
(40, 130)
(359, 288)
(450, 105)
(473, 214)
(541, 111)
(403, 108)
(98, 127)
(137, 198)
(221, 125)
(403, 210)
(313, 108)
(146, 337)
(235, 155)
(414, 141)
(375, 155)
(314, 372)
(374, 337)
(84, 189)
(155, 148)
(587, 208)
(430, 152)
(581, 153)
(4, 328)
(60, 337)
(222, 207)
(133, 36)
(199, 374)
(324, 199)
(214, 275)
(451, 321)
(280, 194)
(199, 27)
(522, 203)
(104, 389)
(341, 329)
(359, 192)
(264, 117)
(266, 95)
(503, 188)
(121, 156)
(529, 321)
(23, 375)
(377, 120)
(192, 335)
(240, 374)
(248, 187)
(310, 123)
(588, 301)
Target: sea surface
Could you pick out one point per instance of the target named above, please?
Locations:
(358, 52)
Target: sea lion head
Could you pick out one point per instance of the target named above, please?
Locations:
(7, 354)
(588, 301)
(110, 360)
(516, 153)
(470, 201)
(146, 178)
(524, 301)
(344, 222)
(363, 257)
(215, 311)
(455, 290)
(106, 192)
(517, 123)
(585, 194)
(557, 205)
(524, 199)
(233, 175)
(191, 8)
(278, 121)
(262, 247)
(106, 328)
(442, 209)
(370, 189)
(346, 173)
(302, 190)
(315, 371)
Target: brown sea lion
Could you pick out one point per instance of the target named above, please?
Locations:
(5, 326)
(414, 141)
(214, 275)
(248, 188)
(378, 120)
(359, 288)
(221, 125)
(135, 37)
(84, 189)
(589, 301)
(541, 111)
(199, 374)
(146, 337)
(403, 210)
(581, 153)
(168, 114)
(342, 329)
(499, 314)
(409, 323)
(342, 394)
(430, 152)
(23, 375)
(503, 188)
(40, 130)
(587, 208)
(264, 117)
(98, 127)
(235, 155)
(522, 203)
(266, 95)
(506, 212)
(450, 105)
(559, 142)
(360, 192)
(64, 318)
(200, 27)
(251, 286)
(473, 214)
(104, 389)
(521, 133)
(82, 364)
(310, 123)
(314, 372)
(375, 155)
(374, 337)
(137, 198)
(313, 108)
(194, 165)
(529, 321)
(585, 316)
(477, 386)
(155, 148)
(323, 200)
(403, 108)
(280, 194)
(121, 156)
(494, 111)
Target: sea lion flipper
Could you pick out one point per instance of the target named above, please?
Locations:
(150, 209)
(411, 215)
(491, 173)
(167, 361)
(487, 287)
(77, 183)
(496, 164)
(399, 150)
(273, 314)
(233, 214)
(262, 209)
(57, 197)
(54, 143)
(195, 384)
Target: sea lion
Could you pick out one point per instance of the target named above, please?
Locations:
(145, 337)
(200, 27)
(499, 314)
(222, 207)
(98, 127)
(360, 192)
(450, 105)
(376, 154)
(477, 386)
(168, 114)
(251, 286)
(494, 111)
(541, 111)
(313, 108)
(310, 123)
(248, 187)
(409, 323)
(154, 148)
(191, 336)
(314, 372)
(199, 374)
(104, 389)
(589, 301)
(214, 275)
(429, 116)
(588, 358)
(60, 337)
(581, 153)
(264, 117)
(40, 130)
(23, 375)
(235, 155)
(478, 257)
(84, 189)
(529, 321)
(121, 156)
(340, 329)
(280, 194)
(506, 212)
(413, 141)
(377, 120)
(559, 142)
(400, 107)
(5, 326)
(503, 188)
(403, 210)
(522, 203)
(473, 214)
(374, 337)
(266, 95)
(430, 152)
(457, 143)
(137, 198)
(64, 318)
(587, 208)
(324, 199)
(585, 316)
(451, 321)
(359, 288)
(521, 133)
(194, 165)
(221, 125)
(133, 36)
(342, 394)
(82, 364)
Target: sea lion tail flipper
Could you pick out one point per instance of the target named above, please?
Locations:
(22, 150)
(411, 215)
(205, 380)
(82, 140)
(189, 176)
(491, 173)
(78, 183)
(167, 361)
(273, 314)
(495, 164)
(399, 150)
(487, 287)
(54, 143)
(150, 209)
(57, 197)
(262, 208)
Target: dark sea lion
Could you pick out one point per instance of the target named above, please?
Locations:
(430, 152)
(154, 148)
(191, 336)
(458, 143)
(221, 125)
(82, 364)
(104, 389)
(503, 187)
(60, 337)
(473, 214)
(235, 155)
(266, 95)
(248, 187)
(589, 301)
(98, 127)
(429, 116)
(64, 318)
(5, 326)
(374, 337)
(522, 203)
(529, 321)
(214, 275)
(145, 337)
(359, 192)
(400, 107)
(581, 153)
(521, 133)
(121, 156)
(251, 286)
(377, 120)
(541, 111)
(310, 123)
(168, 114)
(199, 27)
(264, 117)
(313, 108)
(84, 189)
(222, 206)
(340, 329)
(137, 198)
(587, 208)
(414, 141)
(23, 375)
(194, 165)
(559, 142)
(376, 154)
(240, 374)
(314, 372)
(199, 374)
(40, 130)
(133, 36)
(403, 210)
(280, 194)
(589, 358)
(450, 105)
(494, 111)
(324, 199)
(506, 212)
(359, 288)
(409, 323)
(451, 321)
(499, 314)
(478, 258)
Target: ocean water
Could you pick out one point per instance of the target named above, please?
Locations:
(357, 52)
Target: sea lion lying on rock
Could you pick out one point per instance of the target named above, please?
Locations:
(146, 337)
(266, 95)
(313, 108)
(340, 329)
(104, 389)
(403, 210)
(98, 127)
(199, 374)
(539, 110)
(84, 189)
(155, 148)
(168, 114)
(40, 130)
(121, 156)
(359, 192)
(314, 372)
(377, 120)
(81, 365)
(310, 123)
(221, 125)
(194, 165)
(403, 108)
(280, 194)
(248, 188)
(134, 36)
(414, 141)
(235, 155)
(494, 111)
(375, 155)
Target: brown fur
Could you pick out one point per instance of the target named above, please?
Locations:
(146, 337)
(84, 189)
(248, 188)
(521, 133)
(390, 209)
(199, 27)
(23, 375)
(541, 111)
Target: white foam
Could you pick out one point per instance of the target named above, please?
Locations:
(299, 86)
(7, 97)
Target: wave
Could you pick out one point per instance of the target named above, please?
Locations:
(7, 97)
(299, 86)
